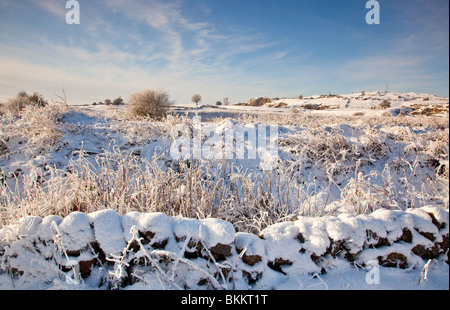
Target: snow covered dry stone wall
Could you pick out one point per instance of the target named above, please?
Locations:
(151, 250)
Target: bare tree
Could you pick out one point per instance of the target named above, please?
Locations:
(196, 98)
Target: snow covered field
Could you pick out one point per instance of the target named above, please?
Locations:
(337, 156)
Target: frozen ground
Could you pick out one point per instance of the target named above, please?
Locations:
(335, 155)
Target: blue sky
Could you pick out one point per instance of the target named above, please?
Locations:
(236, 49)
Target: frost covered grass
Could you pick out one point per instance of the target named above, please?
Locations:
(124, 182)
(37, 127)
(57, 160)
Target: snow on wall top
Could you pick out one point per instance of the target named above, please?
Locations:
(306, 245)
(284, 240)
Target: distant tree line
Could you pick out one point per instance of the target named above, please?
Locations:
(117, 101)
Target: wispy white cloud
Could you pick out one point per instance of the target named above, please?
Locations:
(282, 54)
(53, 6)
(167, 18)
(187, 44)
(157, 14)
(123, 46)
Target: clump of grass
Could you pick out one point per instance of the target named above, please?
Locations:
(42, 127)
(319, 106)
(430, 110)
(260, 101)
(37, 128)
(385, 104)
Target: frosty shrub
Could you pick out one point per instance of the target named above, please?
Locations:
(14, 105)
(385, 104)
(149, 103)
(311, 106)
(258, 102)
(22, 100)
(294, 110)
(118, 101)
(39, 127)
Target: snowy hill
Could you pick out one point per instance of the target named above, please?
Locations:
(368, 102)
